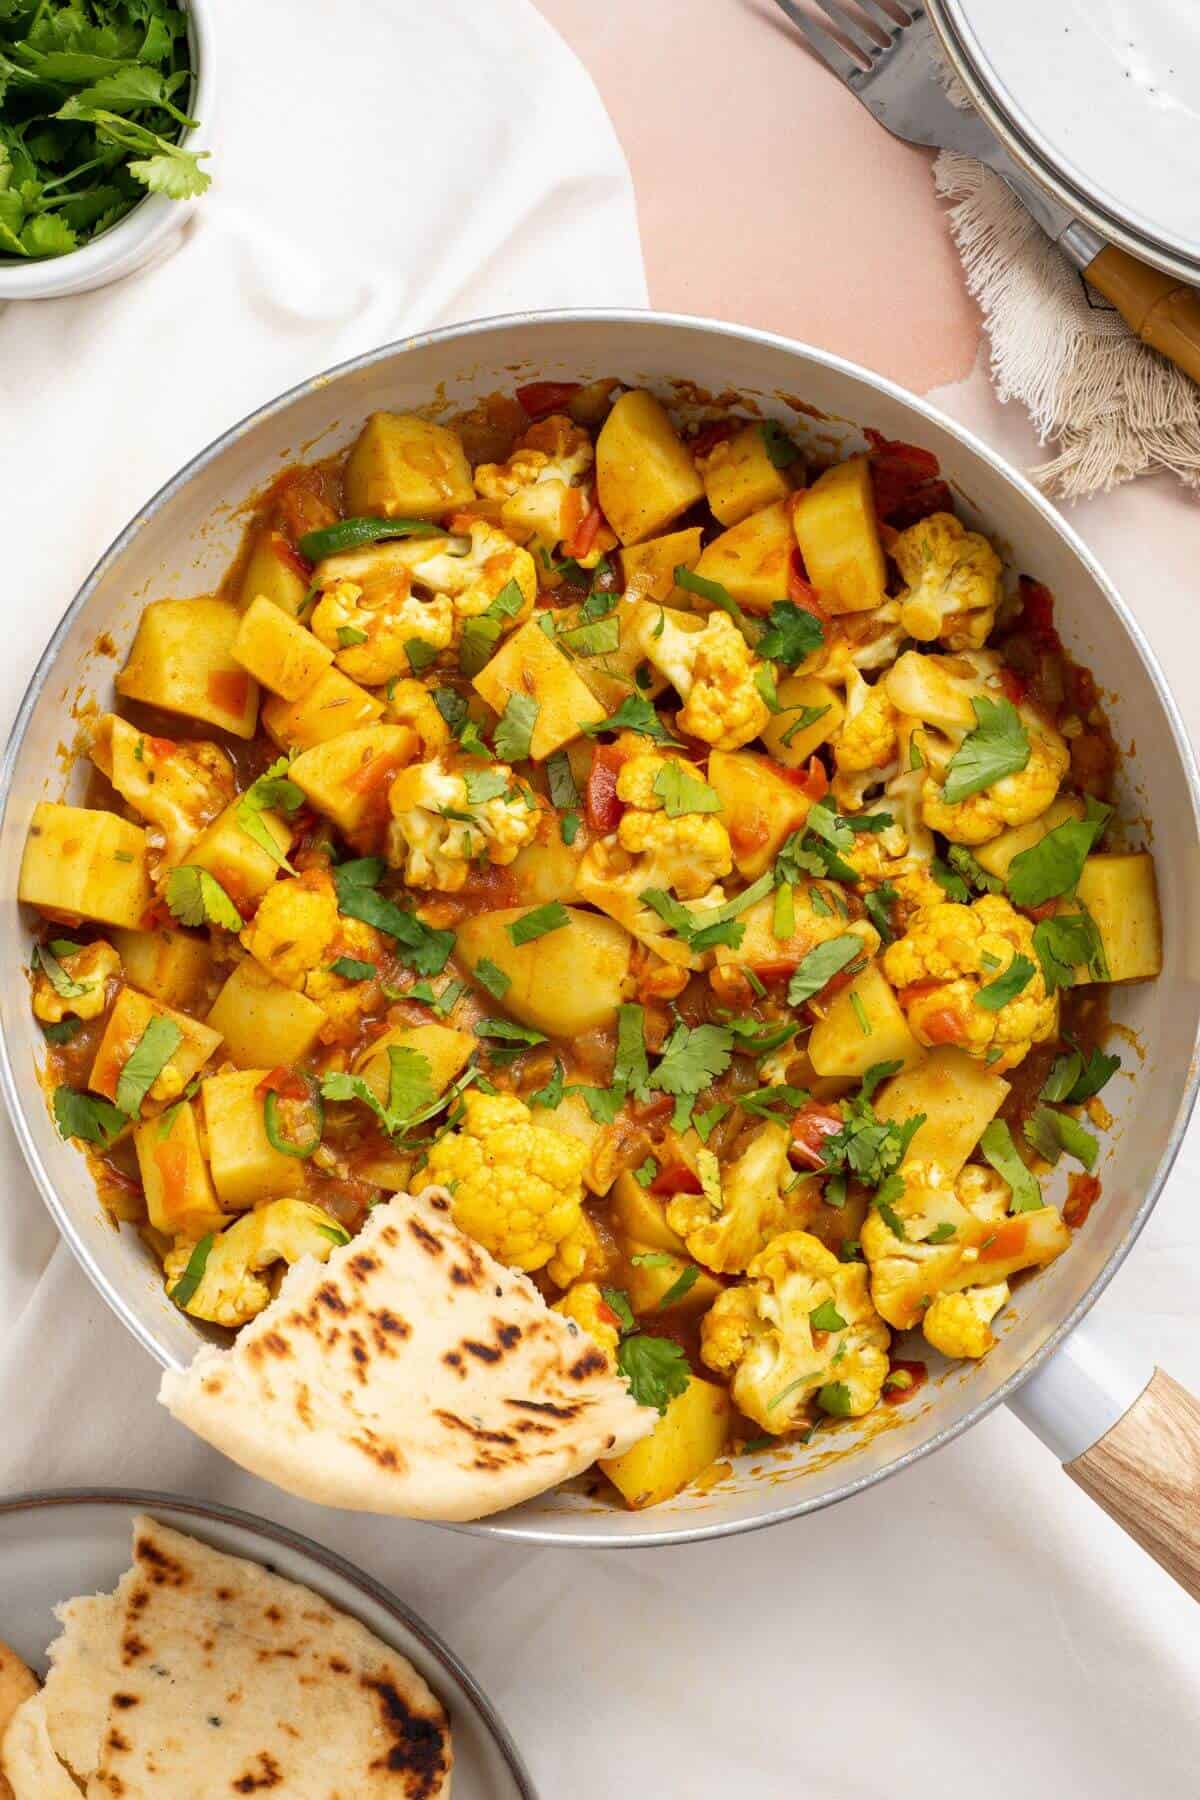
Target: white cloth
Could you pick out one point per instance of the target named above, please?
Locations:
(971, 1628)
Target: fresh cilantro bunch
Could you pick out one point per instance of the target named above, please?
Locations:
(91, 95)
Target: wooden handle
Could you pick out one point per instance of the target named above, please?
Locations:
(1163, 311)
(1145, 1473)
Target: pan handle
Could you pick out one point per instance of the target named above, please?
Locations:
(1129, 1436)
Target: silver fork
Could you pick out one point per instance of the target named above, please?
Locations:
(887, 59)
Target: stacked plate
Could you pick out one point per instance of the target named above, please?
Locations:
(1100, 103)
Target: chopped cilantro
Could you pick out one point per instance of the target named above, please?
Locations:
(1053, 866)
(998, 746)
(814, 971)
(493, 978)
(195, 897)
(655, 1368)
(1006, 987)
(998, 1147)
(681, 792)
(538, 922)
(514, 733)
(87, 1116)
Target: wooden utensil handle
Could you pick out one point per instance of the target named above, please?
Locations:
(1145, 1473)
(1164, 312)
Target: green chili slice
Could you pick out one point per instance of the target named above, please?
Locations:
(283, 1115)
(192, 1276)
(350, 534)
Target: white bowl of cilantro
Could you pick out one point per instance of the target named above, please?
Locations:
(101, 145)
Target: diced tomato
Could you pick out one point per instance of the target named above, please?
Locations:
(812, 779)
(284, 1082)
(374, 772)
(917, 1373)
(170, 1159)
(604, 809)
(1083, 1191)
(584, 537)
(945, 1026)
(709, 436)
(1008, 1239)
(229, 689)
(677, 1179)
(540, 398)
(800, 589)
(810, 1127)
(1046, 910)
(776, 971)
(749, 832)
(1037, 615)
(607, 1316)
(1014, 686)
(290, 557)
(160, 747)
(907, 481)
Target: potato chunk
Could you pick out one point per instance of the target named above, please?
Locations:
(274, 570)
(403, 466)
(644, 471)
(650, 567)
(785, 734)
(332, 705)
(262, 1021)
(1121, 894)
(89, 863)
(843, 1045)
(959, 1097)
(739, 476)
(641, 1217)
(168, 965)
(839, 538)
(246, 1168)
(278, 651)
(445, 1050)
(564, 983)
(751, 559)
(244, 869)
(527, 663)
(759, 807)
(997, 855)
(182, 660)
(180, 1199)
(691, 1434)
(648, 1284)
(131, 1014)
(347, 778)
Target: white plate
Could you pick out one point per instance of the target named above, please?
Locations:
(55, 1545)
(1105, 94)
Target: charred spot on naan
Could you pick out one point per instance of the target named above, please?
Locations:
(426, 1238)
(420, 1746)
(162, 1570)
(269, 1775)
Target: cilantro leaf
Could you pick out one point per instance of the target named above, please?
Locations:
(411, 1091)
(142, 1068)
(595, 637)
(792, 634)
(514, 733)
(878, 904)
(483, 785)
(482, 633)
(781, 451)
(1087, 1076)
(819, 967)
(631, 1071)
(193, 1274)
(692, 1058)
(505, 1028)
(561, 780)
(682, 792)
(834, 1399)
(1006, 987)
(826, 1317)
(617, 1300)
(713, 591)
(634, 714)
(1051, 1132)
(1065, 943)
(683, 1284)
(805, 716)
(63, 984)
(951, 884)
(550, 1095)
(489, 975)
(655, 1368)
(972, 871)
(419, 945)
(536, 923)
(275, 792)
(195, 897)
(1054, 864)
(87, 1116)
(1000, 1151)
(350, 968)
(998, 746)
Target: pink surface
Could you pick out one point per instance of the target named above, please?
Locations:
(766, 194)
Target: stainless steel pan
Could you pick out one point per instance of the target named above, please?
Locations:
(1044, 1364)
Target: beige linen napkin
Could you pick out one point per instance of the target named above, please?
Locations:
(1110, 408)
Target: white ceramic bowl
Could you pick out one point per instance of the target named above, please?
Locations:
(143, 233)
(183, 539)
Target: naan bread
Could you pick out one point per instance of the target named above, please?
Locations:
(28, 1759)
(83, 1669)
(17, 1684)
(227, 1679)
(411, 1374)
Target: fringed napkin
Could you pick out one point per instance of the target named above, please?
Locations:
(1111, 408)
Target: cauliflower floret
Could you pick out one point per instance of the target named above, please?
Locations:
(471, 568)
(410, 703)
(296, 922)
(947, 1244)
(517, 1187)
(754, 1205)
(90, 970)
(437, 830)
(866, 640)
(538, 486)
(953, 578)
(232, 1290)
(960, 1324)
(865, 747)
(941, 691)
(779, 1354)
(687, 856)
(341, 1000)
(584, 1303)
(178, 788)
(902, 853)
(948, 955)
(582, 1255)
(368, 629)
(711, 670)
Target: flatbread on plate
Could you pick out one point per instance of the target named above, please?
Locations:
(410, 1374)
(17, 1684)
